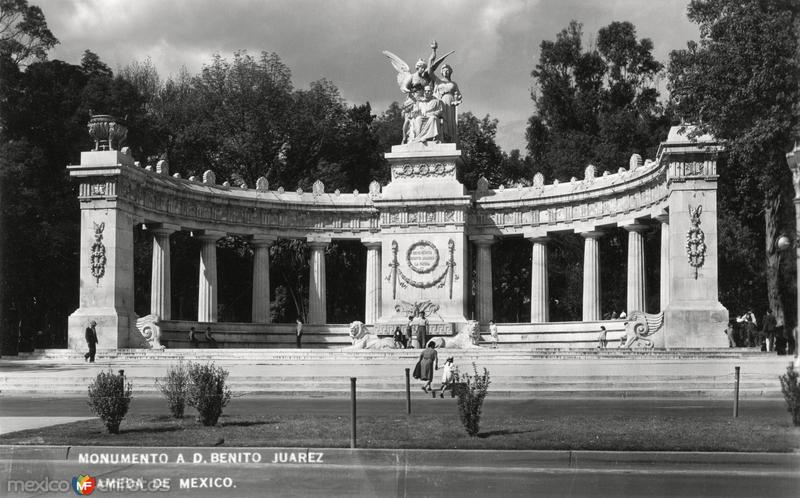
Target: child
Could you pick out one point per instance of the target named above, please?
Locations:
(493, 331)
(447, 376)
(601, 338)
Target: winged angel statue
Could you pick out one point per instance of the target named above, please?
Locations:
(427, 117)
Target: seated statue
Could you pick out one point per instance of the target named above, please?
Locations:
(426, 118)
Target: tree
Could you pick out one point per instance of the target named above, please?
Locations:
(742, 84)
(597, 106)
(24, 35)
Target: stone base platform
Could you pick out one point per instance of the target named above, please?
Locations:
(520, 373)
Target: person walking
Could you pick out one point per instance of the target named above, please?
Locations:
(493, 332)
(91, 341)
(770, 324)
(192, 337)
(299, 334)
(602, 341)
(428, 362)
(447, 376)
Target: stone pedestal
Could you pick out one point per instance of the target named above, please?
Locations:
(317, 299)
(540, 288)
(106, 253)
(261, 297)
(423, 239)
(591, 276)
(694, 317)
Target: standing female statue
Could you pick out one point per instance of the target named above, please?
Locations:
(447, 91)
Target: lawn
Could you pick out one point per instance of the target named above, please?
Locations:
(773, 433)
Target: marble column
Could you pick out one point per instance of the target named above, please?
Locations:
(372, 304)
(261, 297)
(484, 307)
(591, 275)
(160, 291)
(664, 274)
(637, 288)
(207, 295)
(540, 288)
(317, 303)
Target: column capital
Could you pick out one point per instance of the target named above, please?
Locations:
(540, 239)
(209, 235)
(662, 217)
(633, 226)
(482, 240)
(318, 242)
(263, 240)
(372, 242)
(162, 228)
(591, 234)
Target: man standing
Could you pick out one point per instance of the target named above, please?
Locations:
(91, 340)
(299, 333)
(770, 324)
(409, 333)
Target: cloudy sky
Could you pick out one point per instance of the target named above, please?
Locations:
(496, 41)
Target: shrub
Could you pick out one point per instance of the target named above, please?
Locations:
(109, 398)
(471, 390)
(790, 385)
(175, 387)
(207, 391)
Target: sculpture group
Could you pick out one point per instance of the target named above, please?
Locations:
(429, 109)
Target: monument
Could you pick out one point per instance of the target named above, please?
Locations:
(428, 239)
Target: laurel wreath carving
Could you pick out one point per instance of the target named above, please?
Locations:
(97, 258)
(695, 241)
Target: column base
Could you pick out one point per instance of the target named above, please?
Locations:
(695, 325)
(113, 328)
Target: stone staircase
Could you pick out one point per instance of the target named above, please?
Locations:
(381, 373)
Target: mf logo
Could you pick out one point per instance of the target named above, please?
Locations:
(83, 485)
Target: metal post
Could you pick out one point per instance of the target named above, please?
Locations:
(408, 391)
(353, 412)
(736, 395)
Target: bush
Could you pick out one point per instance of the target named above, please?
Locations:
(175, 387)
(471, 390)
(109, 399)
(207, 391)
(790, 385)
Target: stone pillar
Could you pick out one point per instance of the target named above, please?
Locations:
(261, 297)
(207, 295)
(484, 307)
(106, 252)
(694, 317)
(372, 304)
(317, 303)
(591, 276)
(160, 290)
(540, 288)
(637, 289)
(664, 279)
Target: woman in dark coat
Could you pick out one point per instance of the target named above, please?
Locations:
(428, 362)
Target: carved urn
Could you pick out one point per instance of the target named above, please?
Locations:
(108, 132)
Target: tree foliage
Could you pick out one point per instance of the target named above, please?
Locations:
(597, 106)
(742, 84)
(24, 35)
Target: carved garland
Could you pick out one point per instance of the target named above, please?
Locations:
(438, 282)
(695, 241)
(97, 258)
(415, 267)
(412, 170)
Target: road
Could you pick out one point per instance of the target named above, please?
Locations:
(332, 480)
